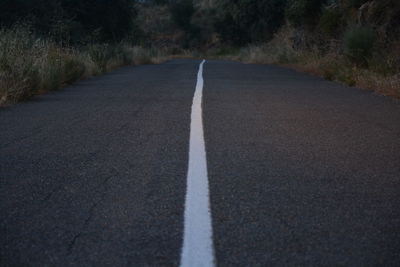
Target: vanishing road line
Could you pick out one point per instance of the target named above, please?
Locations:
(197, 247)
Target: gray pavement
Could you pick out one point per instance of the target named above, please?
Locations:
(302, 171)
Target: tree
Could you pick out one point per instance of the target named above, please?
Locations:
(243, 21)
(304, 12)
(111, 19)
(40, 13)
(182, 12)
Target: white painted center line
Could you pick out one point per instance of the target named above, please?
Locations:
(197, 238)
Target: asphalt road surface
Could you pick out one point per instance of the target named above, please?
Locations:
(301, 171)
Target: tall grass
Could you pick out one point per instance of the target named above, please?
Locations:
(379, 71)
(30, 65)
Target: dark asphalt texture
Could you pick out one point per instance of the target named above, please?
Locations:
(302, 171)
(95, 175)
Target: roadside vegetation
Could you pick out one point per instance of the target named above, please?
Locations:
(354, 42)
(46, 44)
(30, 65)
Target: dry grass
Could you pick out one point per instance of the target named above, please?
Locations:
(381, 75)
(30, 65)
(386, 85)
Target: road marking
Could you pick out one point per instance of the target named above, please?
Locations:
(197, 247)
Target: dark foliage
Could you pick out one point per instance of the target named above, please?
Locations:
(74, 20)
(182, 12)
(304, 12)
(359, 43)
(244, 21)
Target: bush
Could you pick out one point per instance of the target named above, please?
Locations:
(74, 68)
(101, 54)
(72, 20)
(248, 21)
(19, 74)
(52, 71)
(330, 21)
(29, 64)
(359, 44)
(182, 12)
(304, 12)
(346, 75)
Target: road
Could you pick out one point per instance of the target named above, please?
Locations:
(300, 171)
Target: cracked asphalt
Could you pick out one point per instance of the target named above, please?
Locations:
(302, 171)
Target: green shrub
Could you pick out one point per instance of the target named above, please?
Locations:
(359, 44)
(227, 51)
(101, 54)
(142, 56)
(74, 69)
(346, 75)
(286, 56)
(19, 75)
(329, 69)
(330, 21)
(247, 21)
(52, 70)
(125, 55)
(304, 12)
